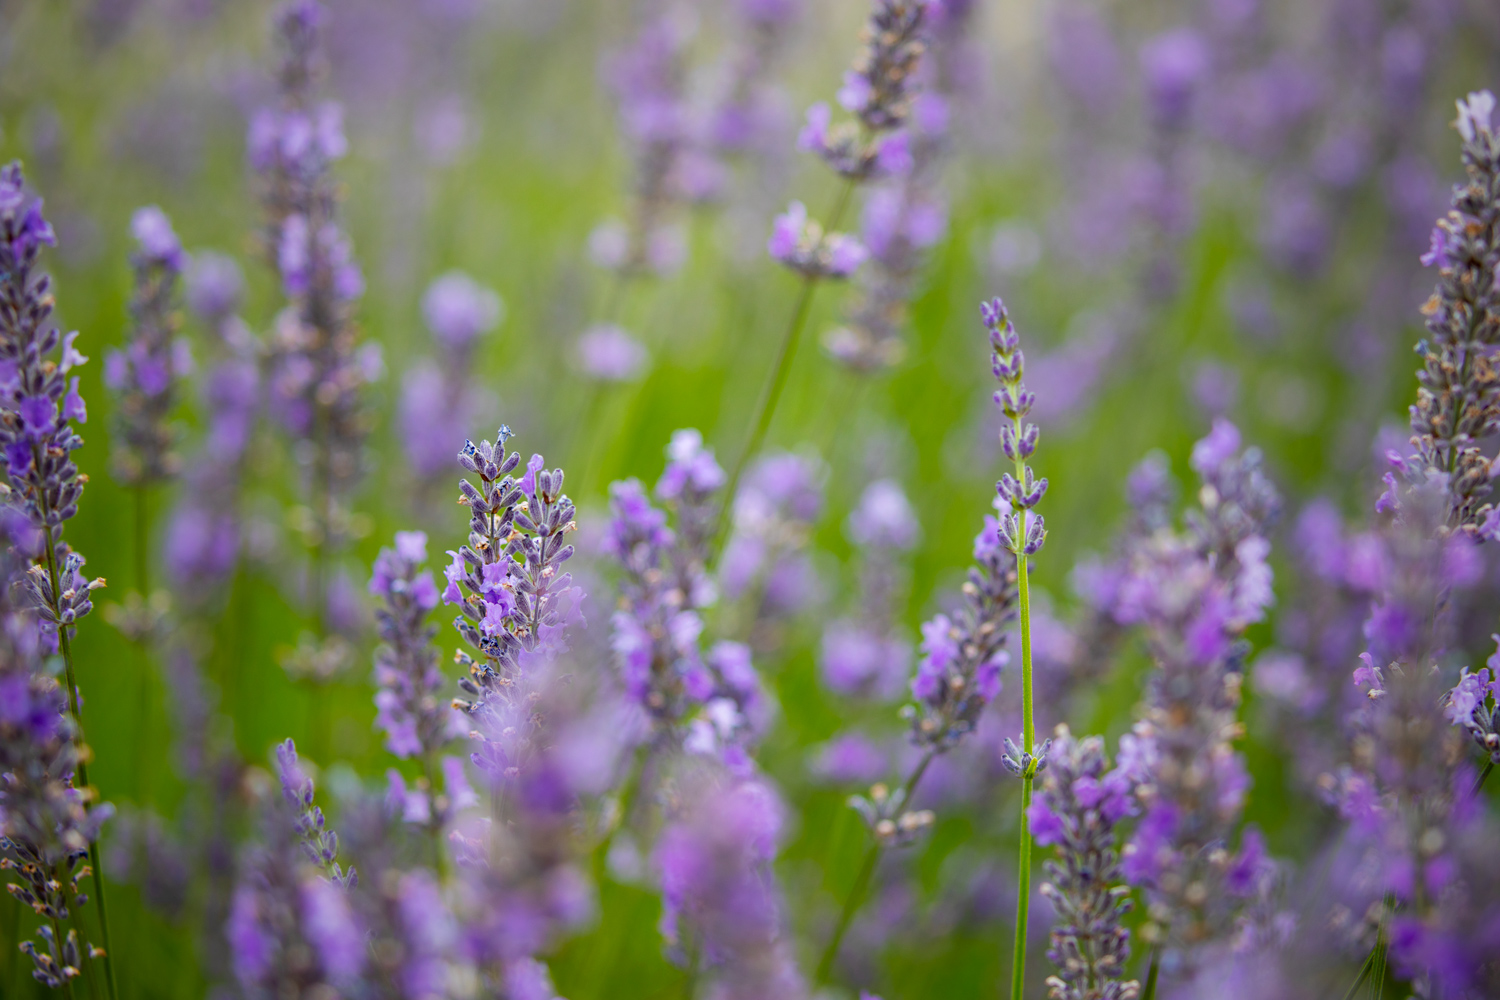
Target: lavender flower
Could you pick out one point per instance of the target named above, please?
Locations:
(802, 245)
(1474, 705)
(514, 612)
(318, 368)
(647, 79)
(1076, 810)
(439, 400)
(712, 701)
(959, 672)
(1195, 593)
(877, 91)
(607, 353)
(38, 403)
(720, 900)
(291, 927)
(1458, 403)
(765, 564)
(409, 707)
(905, 214)
(203, 539)
(46, 825)
(144, 375)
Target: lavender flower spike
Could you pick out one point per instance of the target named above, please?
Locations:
(319, 843)
(145, 373)
(38, 403)
(46, 827)
(318, 370)
(1458, 399)
(511, 610)
(409, 707)
(1080, 802)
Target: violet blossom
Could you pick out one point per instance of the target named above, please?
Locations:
(439, 399)
(144, 375)
(318, 369)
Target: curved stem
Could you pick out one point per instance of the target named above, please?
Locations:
(771, 394)
(856, 895)
(851, 906)
(1150, 992)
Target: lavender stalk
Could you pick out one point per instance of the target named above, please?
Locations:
(878, 91)
(37, 406)
(959, 673)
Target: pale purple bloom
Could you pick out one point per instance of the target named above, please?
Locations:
(609, 354)
(458, 310)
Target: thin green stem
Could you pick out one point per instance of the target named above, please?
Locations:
(1028, 736)
(1023, 898)
(1151, 973)
(1479, 784)
(856, 895)
(851, 906)
(770, 395)
(1364, 973)
(143, 540)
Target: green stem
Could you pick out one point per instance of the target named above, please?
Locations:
(1151, 973)
(1364, 973)
(1479, 784)
(856, 895)
(851, 906)
(1023, 899)
(1028, 724)
(771, 393)
(143, 540)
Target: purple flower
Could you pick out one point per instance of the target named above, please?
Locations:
(884, 517)
(609, 354)
(152, 231)
(332, 931)
(458, 310)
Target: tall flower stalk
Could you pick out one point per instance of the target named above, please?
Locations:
(878, 92)
(318, 368)
(1023, 533)
(962, 656)
(38, 403)
(145, 373)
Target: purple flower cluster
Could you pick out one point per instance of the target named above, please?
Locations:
(38, 403)
(712, 701)
(765, 563)
(417, 721)
(719, 894)
(878, 91)
(46, 824)
(439, 400)
(648, 81)
(959, 671)
(1458, 395)
(905, 213)
(1194, 593)
(514, 604)
(1474, 705)
(203, 538)
(292, 927)
(144, 374)
(1077, 808)
(318, 370)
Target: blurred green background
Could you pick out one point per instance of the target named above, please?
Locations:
(113, 105)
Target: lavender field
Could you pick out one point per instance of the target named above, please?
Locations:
(749, 499)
